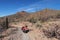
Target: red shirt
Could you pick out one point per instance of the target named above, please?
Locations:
(24, 28)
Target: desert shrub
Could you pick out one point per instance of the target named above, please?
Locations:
(58, 33)
(43, 19)
(52, 31)
(49, 34)
(32, 20)
(58, 15)
(5, 23)
(38, 26)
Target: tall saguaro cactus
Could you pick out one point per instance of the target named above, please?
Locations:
(7, 23)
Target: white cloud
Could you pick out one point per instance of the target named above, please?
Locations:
(29, 9)
(33, 7)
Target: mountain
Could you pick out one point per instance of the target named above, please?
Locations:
(39, 15)
(45, 14)
(18, 16)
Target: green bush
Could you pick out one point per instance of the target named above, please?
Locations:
(32, 20)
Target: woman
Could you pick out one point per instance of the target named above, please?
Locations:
(25, 29)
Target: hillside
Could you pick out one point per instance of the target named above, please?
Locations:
(43, 14)
(18, 16)
(45, 25)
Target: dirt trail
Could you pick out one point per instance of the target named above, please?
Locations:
(17, 35)
(24, 36)
(21, 36)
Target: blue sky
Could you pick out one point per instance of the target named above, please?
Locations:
(8, 7)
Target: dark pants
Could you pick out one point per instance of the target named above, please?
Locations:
(25, 31)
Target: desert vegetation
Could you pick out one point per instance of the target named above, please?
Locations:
(47, 21)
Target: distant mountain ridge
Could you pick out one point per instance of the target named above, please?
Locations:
(23, 16)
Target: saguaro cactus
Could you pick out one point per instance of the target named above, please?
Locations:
(7, 23)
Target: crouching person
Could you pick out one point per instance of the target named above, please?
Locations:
(25, 29)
